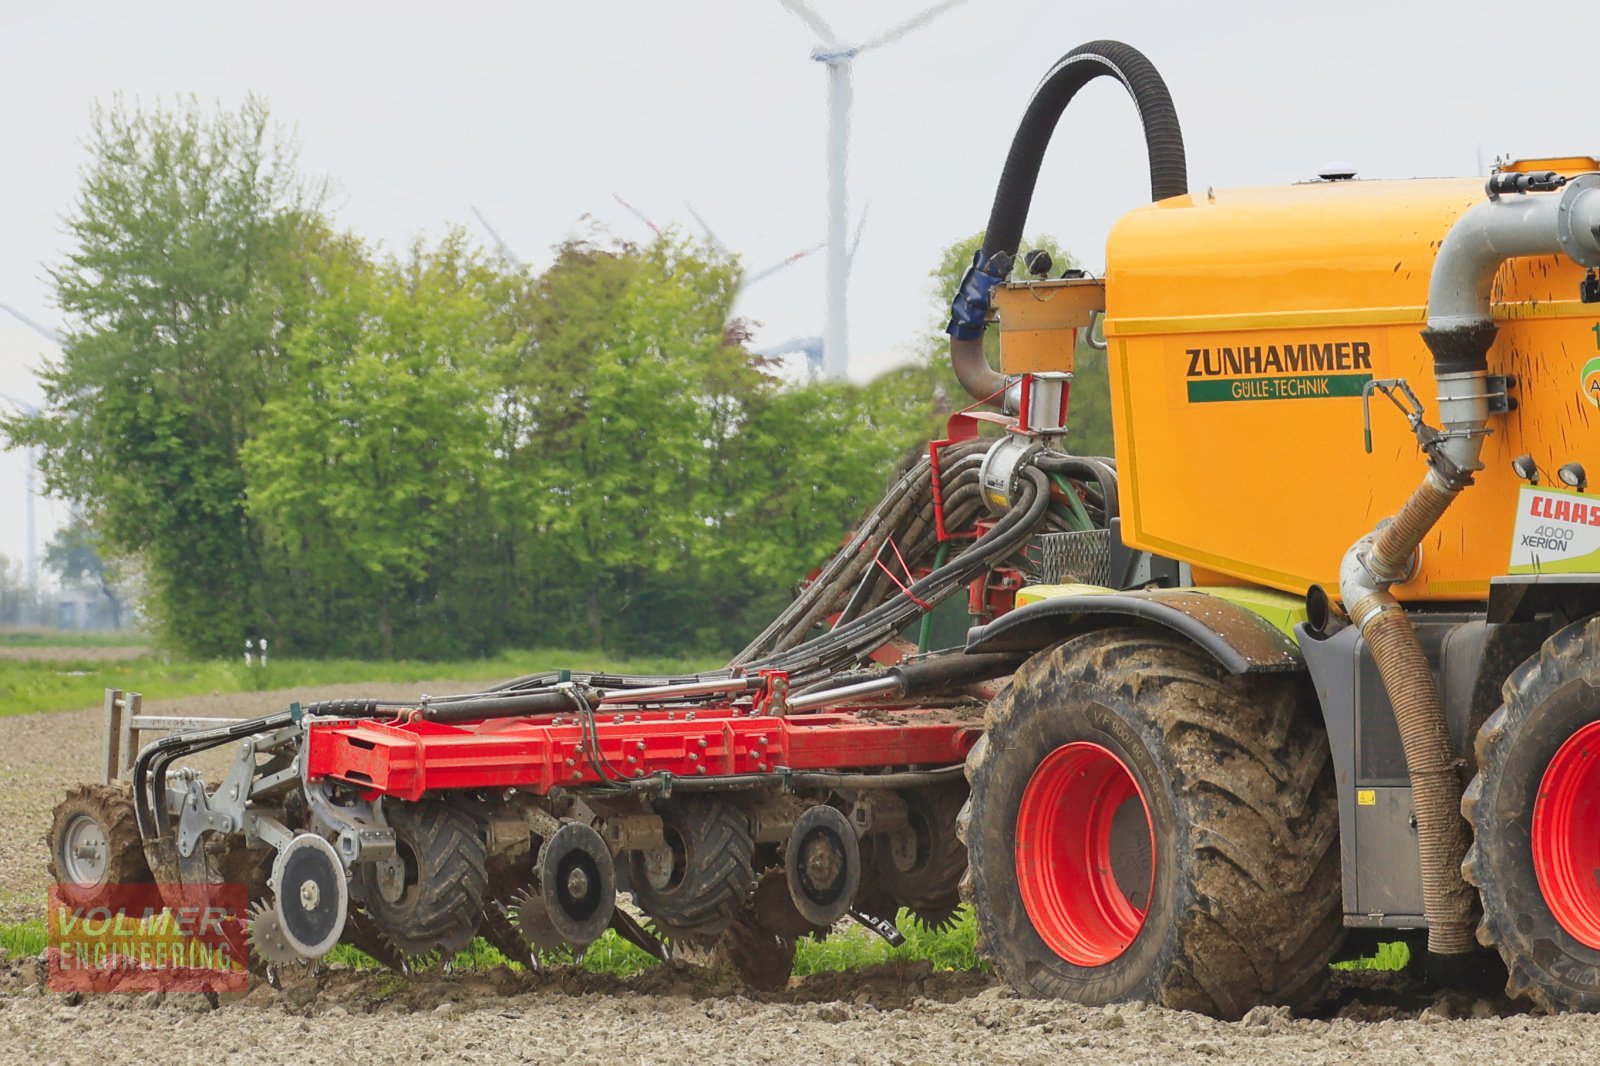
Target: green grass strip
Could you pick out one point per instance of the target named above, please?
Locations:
(28, 686)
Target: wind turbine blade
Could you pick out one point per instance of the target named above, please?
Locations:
(20, 404)
(636, 213)
(44, 331)
(500, 246)
(915, 22)
(808, 14)
(782, 264)
(716, 242)
(860, 225)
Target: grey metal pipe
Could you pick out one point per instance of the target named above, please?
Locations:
(1493, 231)
(877, 686)
(660, 693)
(972, 368)
(1460, 332)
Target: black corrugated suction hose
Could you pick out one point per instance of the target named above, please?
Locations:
(1162, 136)
(1169, 177)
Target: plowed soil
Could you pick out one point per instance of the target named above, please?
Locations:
(894, 1015)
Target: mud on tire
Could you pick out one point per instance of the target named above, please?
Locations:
(1238, 786)
(1548, 699)
(99, 820)
(711, 874)
(441, 902)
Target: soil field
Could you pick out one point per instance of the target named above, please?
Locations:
(900, 1015)
(41, 754)
(905, 1017)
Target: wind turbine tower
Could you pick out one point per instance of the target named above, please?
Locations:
(838, 56)
(32, 490)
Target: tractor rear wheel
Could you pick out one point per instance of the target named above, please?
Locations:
(1534, 807)
(1145, 826)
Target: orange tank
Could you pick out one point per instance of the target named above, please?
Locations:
(1243, 324)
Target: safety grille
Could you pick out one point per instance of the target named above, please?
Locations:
(1069, 558)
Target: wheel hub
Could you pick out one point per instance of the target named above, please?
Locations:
(84, 851)
(1566, 836)
(1084, 853)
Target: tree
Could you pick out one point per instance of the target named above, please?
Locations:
(73, 555)
(380, 432)
(182, 281)
(633, 395)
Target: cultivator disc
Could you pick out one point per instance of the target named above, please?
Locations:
(312, 898)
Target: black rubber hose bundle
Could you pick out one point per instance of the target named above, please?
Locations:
(843, 646)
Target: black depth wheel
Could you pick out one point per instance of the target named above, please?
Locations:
(1535, 854)
(1144, 826)
(696, 885)
(430, 898)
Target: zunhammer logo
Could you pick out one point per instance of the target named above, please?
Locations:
(1278, 371)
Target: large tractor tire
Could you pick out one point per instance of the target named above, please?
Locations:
(1534, 807)
(432, 897)
(94, 843)
(1145, 826)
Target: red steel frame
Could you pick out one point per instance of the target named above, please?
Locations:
(407, 759)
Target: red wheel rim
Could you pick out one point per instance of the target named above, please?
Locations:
(1566, 836)
(1085, 854)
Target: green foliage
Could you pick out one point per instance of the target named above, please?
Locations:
(23, 940)
(950, 949)
(1391, 956)
(73, 555)
(433, 455)
(377, 436)
(28, 686)
(179, 288)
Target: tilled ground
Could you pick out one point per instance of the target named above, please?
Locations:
(900, 1015)
(895, 1016)
(42, 754)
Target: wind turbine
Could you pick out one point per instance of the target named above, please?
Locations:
(31, 515)
(834, 53)
(499, 244)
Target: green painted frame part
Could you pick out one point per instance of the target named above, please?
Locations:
(925, 630)
(1280, 609)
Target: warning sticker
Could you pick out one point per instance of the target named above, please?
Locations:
(1557, 532)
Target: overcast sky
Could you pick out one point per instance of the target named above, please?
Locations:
(539, 112)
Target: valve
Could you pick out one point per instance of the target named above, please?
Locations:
(1537, 181)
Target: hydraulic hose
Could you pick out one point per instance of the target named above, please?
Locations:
(1014, 195)
(849, 642)
(1459, 334)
